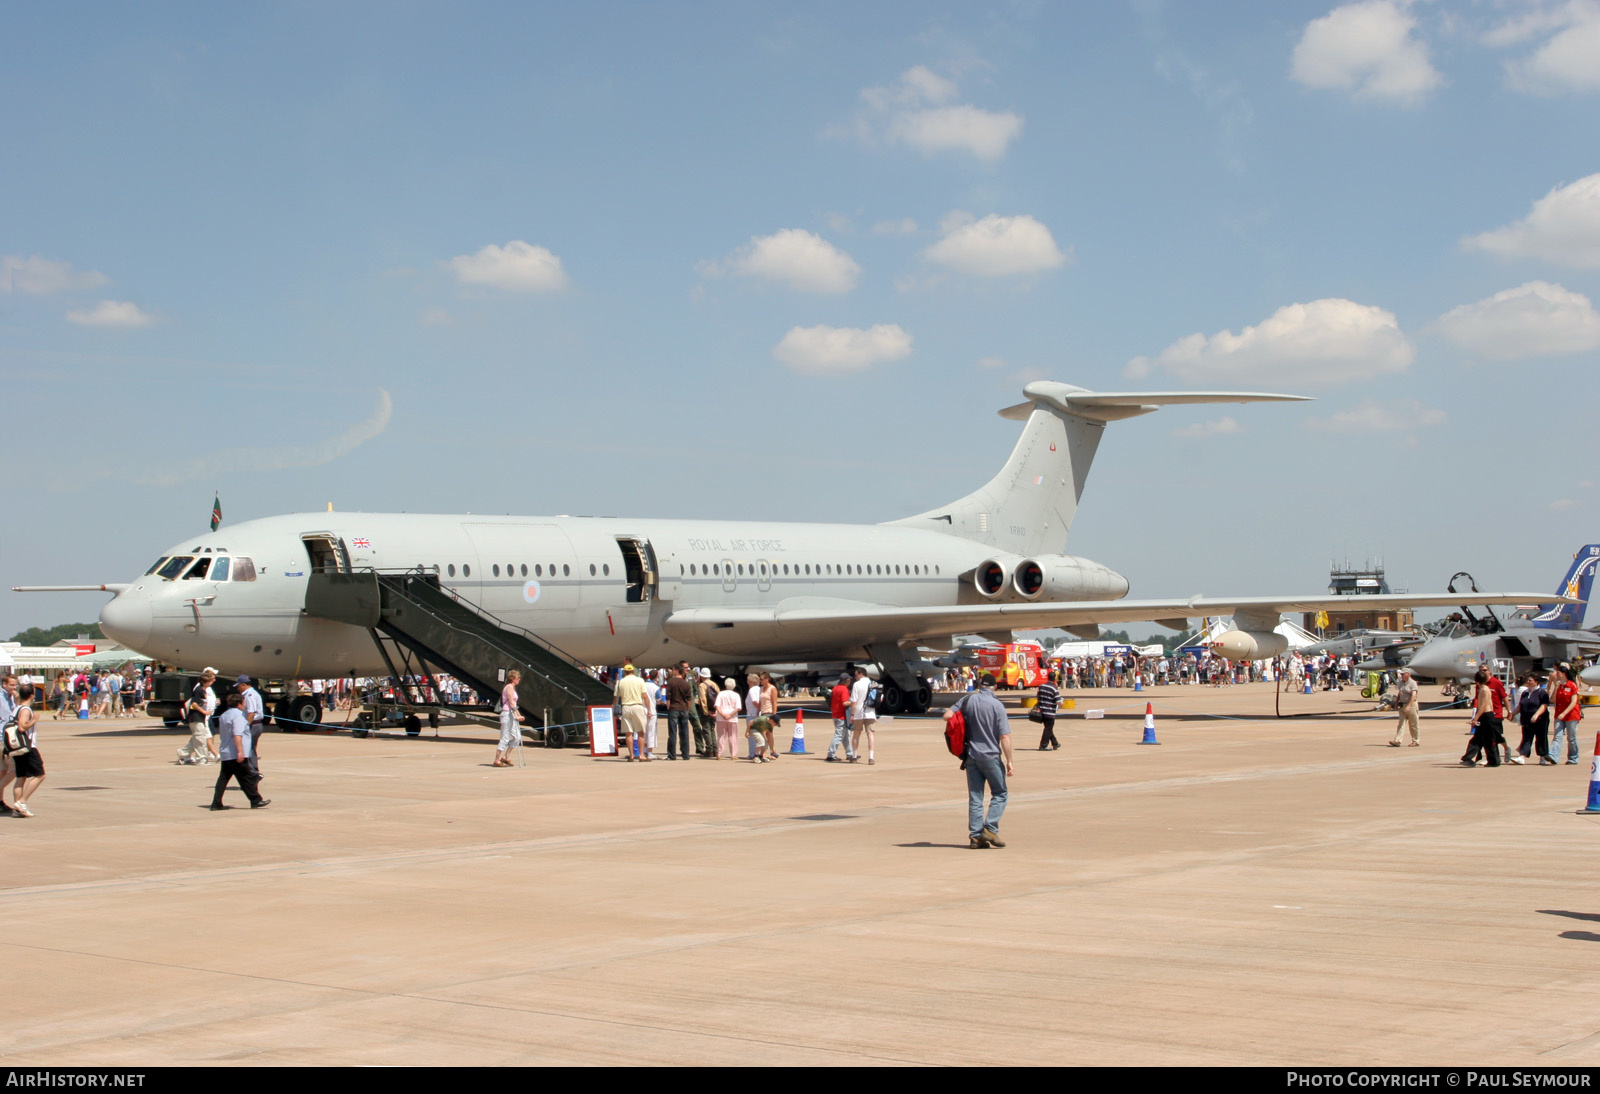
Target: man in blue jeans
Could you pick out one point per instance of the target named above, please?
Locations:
(988, 760)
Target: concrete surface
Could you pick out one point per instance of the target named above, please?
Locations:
(1253, 891)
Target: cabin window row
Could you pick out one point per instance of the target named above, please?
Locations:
(515, 569)
(828, 569)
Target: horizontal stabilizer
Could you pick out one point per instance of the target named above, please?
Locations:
(1108, 406)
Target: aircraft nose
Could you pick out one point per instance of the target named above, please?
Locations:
(127, 620)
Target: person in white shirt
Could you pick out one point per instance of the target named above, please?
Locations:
(863, 714)
(652, 694)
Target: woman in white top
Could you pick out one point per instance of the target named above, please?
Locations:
(510, 735)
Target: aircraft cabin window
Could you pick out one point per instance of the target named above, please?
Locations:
(785, 569)
(936, 569)
(198, 570)
(451, 569)
(496, 569)
(741, 569)
(244, 569)
(156, 565)
(591, 569)
(538, 570)
(566, 571)
(175, 566)
(524, 569)
(219, 572)
(466, 570)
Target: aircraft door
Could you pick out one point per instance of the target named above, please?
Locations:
(639, 569)
(326, 552)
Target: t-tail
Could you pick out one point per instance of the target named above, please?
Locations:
(1580, 576)
(1028, 507)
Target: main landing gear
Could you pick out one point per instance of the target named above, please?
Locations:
(893, 699)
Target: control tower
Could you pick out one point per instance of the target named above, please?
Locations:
(1368, 580)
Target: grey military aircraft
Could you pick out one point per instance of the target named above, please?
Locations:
(306, 595)
(1531, 638)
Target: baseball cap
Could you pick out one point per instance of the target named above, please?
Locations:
(242, 680)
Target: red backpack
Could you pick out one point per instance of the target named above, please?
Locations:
(955, 734)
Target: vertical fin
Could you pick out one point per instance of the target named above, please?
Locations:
(1577, 583)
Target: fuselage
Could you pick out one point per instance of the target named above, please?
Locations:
(602, 589)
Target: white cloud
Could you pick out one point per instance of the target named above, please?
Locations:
(1533, 320)
(828, 350)
(1324, 342)
(1368, 49)
(905, 226)
(236, 460)
(1563, 227)
(1569, 60)
(516, 267)
(1200, 430)
(916, 111)
(1373, 416)
(1563, 503)
(995, 246)
(801, 259)
(991, 362)
(111, 313)
(33, 274)
(839, 223)
(436, 317)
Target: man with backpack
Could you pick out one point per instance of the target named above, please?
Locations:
(987, 759)
(864, 712)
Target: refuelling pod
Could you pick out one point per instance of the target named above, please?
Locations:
(1250, 645)
(1065, 577)
(989, 577)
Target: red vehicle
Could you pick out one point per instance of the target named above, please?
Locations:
(1014, 664)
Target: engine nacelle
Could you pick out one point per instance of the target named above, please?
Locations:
(989, 577)
(1250, 645)
(1065, 577)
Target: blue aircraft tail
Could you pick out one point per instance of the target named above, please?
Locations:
(1576, 584)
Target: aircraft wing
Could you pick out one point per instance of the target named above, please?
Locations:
(821, 624)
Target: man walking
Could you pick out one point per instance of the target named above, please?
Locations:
(863, 712)
(235, 733)
(839, 706)
(1406, 702)
(255, 714)
(988, 761)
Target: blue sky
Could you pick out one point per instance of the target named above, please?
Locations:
(784, 262)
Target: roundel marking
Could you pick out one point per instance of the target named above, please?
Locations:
(530, 591)
(1052, 446)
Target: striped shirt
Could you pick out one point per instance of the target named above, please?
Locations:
(1048, 699)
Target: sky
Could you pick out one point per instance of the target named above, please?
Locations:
(777, 261)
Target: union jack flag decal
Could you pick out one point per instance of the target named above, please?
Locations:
(361, 541)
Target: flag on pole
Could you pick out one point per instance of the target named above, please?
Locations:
(216, 512)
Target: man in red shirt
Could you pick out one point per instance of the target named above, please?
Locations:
(1497, 691)
(839, 702)
(1568, 714)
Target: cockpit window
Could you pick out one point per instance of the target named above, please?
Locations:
(244, 570)
(219, 570)
(174, 567)
(156, 565)
(198, 570)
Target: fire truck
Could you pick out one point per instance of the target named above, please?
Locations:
(1014, 664)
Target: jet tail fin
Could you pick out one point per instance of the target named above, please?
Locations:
(1576, 585)
(1028, 507)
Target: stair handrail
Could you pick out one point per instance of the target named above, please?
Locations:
(500, 647)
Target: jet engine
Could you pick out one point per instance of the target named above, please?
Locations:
(1250, 645)
(989, 576)
(1064, 577)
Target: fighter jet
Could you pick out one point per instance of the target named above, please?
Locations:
(1532, 638)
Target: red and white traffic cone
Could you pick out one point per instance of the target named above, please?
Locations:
(1149, 725)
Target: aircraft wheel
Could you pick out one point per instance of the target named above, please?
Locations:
(555, 737)
(413, 725)
(302, 711)
(922, 699)
(892, 700)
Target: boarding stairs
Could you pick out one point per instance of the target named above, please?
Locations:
(410, 611)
